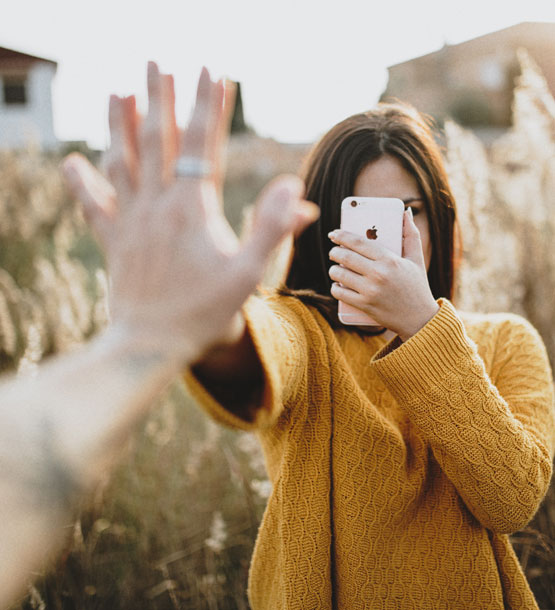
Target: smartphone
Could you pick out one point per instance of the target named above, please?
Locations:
(376, 218)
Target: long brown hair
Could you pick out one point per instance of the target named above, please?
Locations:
(330, 173)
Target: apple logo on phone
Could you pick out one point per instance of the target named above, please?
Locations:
(372, 233)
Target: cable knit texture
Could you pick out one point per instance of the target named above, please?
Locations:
(399, 468)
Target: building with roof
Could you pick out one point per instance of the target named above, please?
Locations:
(26, 116)
(472, 82)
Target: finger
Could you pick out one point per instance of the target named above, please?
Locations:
(349, 279)
(118, 158)
(351, 260)
(275, 217)
(222, 131)
(203, 120)
(170, 134)
(412, 244)
(130, 135)
(151, 141)
(132, 122)
(342, 293)
(95, 193)
(215, 137)
(367, 247)
(306, 213)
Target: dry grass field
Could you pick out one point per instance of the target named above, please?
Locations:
(175, 524)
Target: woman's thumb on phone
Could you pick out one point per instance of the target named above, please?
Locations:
(412, 244)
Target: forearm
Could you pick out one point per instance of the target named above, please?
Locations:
(58, 433)
(87, 400)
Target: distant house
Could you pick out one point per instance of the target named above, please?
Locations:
(26, 100)
(472, 82)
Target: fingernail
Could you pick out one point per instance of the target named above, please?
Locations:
(332, 235)
(205, 73)
(152, 73)
(114, 105)
(410, 213)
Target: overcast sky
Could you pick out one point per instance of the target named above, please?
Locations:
(303, 64)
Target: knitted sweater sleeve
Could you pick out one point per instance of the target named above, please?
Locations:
(493, 439)
(278, 328)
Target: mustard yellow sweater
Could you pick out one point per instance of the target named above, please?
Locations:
(397, 469)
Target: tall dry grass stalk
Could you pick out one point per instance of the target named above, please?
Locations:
(175, 525)
(506, 201)
(51, 295)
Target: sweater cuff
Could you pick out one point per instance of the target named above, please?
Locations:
(423, 361)
(264, 414)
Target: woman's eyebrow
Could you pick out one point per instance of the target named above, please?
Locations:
(411, 200)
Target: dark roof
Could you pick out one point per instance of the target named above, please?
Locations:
(526, 25)
(16, 59)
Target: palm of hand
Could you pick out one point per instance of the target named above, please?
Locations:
(178, 272)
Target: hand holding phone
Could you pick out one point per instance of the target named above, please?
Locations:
(379, 219)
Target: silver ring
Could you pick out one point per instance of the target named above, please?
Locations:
(192, 167)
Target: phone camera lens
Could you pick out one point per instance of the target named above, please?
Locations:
(354, 204)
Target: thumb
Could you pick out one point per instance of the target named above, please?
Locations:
(307, 213)
(412, 244)
(278, 212)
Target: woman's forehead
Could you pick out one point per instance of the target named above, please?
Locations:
(386, 177)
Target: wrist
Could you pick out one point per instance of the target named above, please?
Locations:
(164, 349)
(418, 322)
(131, 341)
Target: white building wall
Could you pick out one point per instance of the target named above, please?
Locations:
(30, 124)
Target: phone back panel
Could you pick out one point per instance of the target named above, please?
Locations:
(378, 218)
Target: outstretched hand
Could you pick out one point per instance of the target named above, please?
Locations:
(178, 273)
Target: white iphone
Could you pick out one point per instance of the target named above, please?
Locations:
(376, 218)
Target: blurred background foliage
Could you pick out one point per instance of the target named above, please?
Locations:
(175, 525)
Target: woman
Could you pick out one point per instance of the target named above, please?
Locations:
(401, 458)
